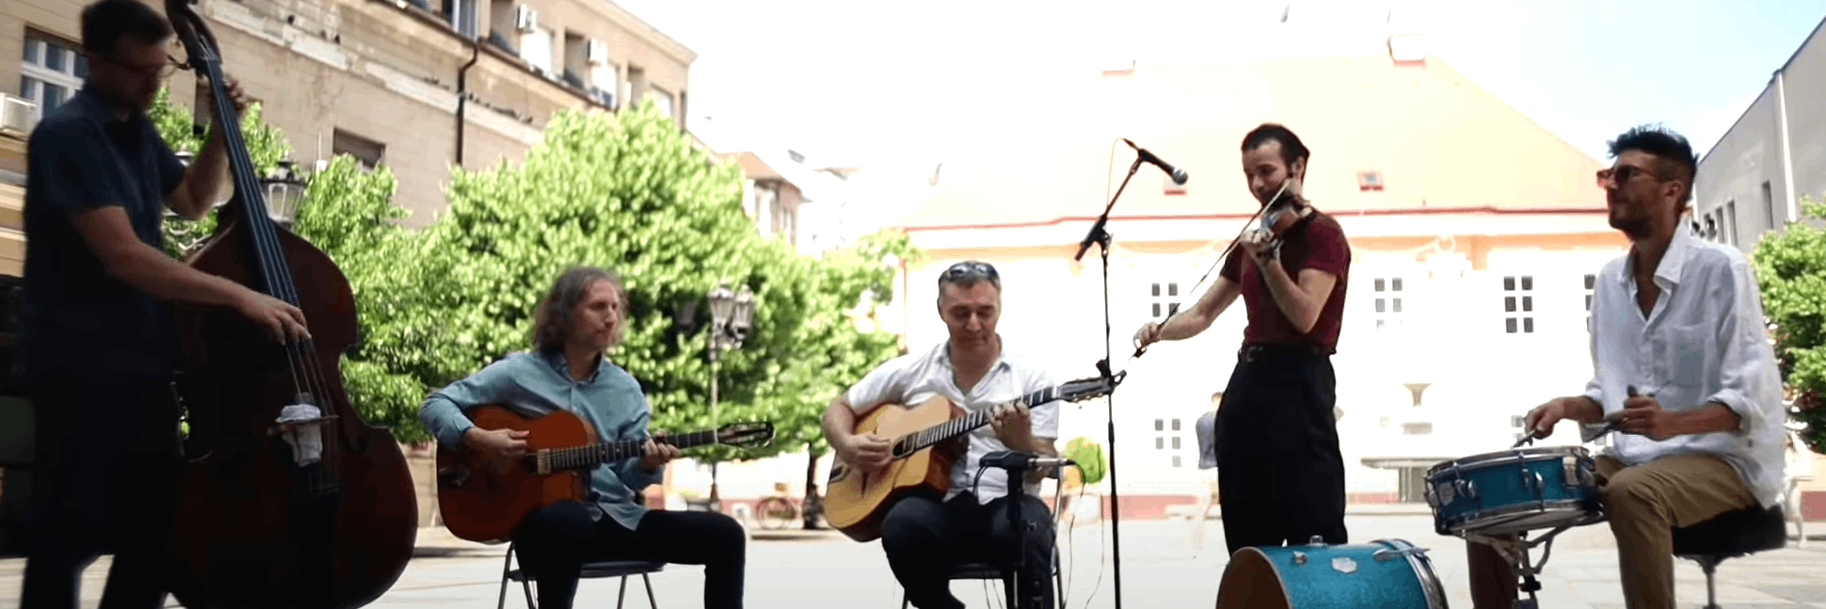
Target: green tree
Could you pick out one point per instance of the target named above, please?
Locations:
(1791, 269)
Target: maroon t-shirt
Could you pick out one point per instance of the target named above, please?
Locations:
(1314, 242)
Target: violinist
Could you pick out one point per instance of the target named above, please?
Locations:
(1280, 471)
(97, 344)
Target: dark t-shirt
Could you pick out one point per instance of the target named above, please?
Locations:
(1314, 242)
(76, 319)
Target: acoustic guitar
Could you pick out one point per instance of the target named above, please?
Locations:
(483, 498)
(925, 441)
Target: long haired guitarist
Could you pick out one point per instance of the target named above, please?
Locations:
(580, 319)
(925, 535)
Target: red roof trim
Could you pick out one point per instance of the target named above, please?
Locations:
(1426, 211)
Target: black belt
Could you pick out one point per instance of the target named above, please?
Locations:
(1251, 353)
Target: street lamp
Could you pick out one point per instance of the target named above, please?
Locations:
(730, 314)
(284, 190)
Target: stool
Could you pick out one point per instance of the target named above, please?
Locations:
(1730, 535)
(602, 568)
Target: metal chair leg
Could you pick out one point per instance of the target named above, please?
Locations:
(652, 602)
(622, 596)
(501, 603)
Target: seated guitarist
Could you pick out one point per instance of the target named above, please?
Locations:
(926, 536)
(578, 320)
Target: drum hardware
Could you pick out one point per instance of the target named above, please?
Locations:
(1516, 553)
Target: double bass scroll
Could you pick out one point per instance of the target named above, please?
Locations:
(287, 497)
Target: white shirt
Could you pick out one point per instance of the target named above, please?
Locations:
(1702, 342)
(915, 377)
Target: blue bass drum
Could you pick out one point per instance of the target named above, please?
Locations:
(1515, 490)
(1385, 574)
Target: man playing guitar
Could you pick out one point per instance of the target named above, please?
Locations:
(925, 536)
(579, 319)
(98, 347)
(1682, 365)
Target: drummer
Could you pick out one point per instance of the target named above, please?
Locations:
(1699, 410)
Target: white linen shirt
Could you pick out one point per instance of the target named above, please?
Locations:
(915, 377)
(1702, 342)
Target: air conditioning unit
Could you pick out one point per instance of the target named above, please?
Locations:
(17, 114)
(597, 52)
(525, 18)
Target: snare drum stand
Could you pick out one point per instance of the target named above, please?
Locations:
(1516, 553)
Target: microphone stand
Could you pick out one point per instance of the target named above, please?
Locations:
(1017, 485)
(1101, 237)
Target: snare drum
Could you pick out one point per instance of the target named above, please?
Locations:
(1386, 573)
(1514, 490)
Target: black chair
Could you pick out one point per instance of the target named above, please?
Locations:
(978, 570)
(1730, 535)
(591, 570)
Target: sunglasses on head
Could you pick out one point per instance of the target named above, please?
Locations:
(969, 267)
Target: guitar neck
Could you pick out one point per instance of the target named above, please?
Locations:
(967, 423)
(591, 455)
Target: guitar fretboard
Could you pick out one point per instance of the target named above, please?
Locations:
(964, 424)
(595, 454)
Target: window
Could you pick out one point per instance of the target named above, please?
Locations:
(368, 152)
(1729, 222)
(52, 71)
(1591, 285)
(1168, 439)
(1769, 206)
(783, 223)
(1165, 299)
(663, 101)
(462, 15)
(1388, 302)
(1518, 304)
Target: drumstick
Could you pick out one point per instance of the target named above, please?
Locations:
(1614, 424)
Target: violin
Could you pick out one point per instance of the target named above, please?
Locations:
(286, 497)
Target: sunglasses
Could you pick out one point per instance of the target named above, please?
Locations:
(1619, 175)
(967, 268)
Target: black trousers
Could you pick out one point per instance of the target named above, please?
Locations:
(1280, 473)
(107, 454)
(556, 540)
(926, 538)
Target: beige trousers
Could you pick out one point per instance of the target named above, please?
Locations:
(1644, 504)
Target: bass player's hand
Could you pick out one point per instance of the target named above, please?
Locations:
(496, 443)
(867, 451)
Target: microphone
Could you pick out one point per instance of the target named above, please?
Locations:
(1179, 175)
(1007, 459)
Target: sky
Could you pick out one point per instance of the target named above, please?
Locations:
(900, 84)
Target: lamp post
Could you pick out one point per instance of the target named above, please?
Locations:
(284, 190)
(730, 313)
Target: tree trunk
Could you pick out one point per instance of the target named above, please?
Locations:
(812, 507)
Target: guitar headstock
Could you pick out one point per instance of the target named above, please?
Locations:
(1085, 389)
(747, 435)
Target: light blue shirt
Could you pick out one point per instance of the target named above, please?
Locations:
(532, 384)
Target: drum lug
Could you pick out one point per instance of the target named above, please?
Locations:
(1299, 558)
(1317, 540)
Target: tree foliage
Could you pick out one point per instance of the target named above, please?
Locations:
(1791, 270)
(625, 191)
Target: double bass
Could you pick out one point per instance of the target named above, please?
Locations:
(286, 497)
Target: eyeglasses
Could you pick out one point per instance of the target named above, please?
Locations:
(1620, 174)
(967, 268)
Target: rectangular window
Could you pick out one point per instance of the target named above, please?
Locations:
(1388, 302)
(368, 152)
(1591, 285)
(52, 70)
(1775, 220)
(1167, 439)
(1518, 304)
(1165, 299)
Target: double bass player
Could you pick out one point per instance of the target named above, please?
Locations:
(97, 341)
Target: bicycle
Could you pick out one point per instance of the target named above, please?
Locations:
(779, 511)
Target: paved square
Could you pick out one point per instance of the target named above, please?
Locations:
(1160, 570)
